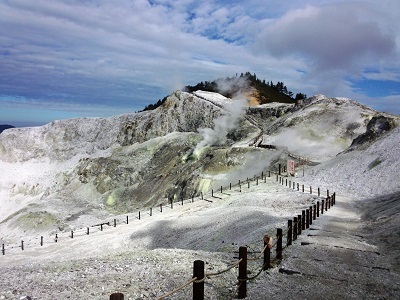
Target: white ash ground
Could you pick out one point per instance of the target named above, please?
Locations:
(154, 255)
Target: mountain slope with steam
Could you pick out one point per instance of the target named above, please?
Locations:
(79, 171)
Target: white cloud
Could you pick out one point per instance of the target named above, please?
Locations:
(138, 51)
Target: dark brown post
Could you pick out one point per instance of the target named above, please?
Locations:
(303, 220)
(315, 212)
(172, 203)
(212, 193)
(302, 187)
(257, 181)
(307, 218)
(269, 173)
(279, 243)
(318, 209)
(127, 219)
(101, 227)
(289, 233)
(87, 230)
(322, 206)
(327, 193)
(334, 198)
(298, 186)
(198, 287)
(151, 211)
(294, 228)
(267, 254)
(310, 189)
(311, 214)
(117, 296)
(3, 250)
(286, 182)
(280, 169)
(160, 207)
(221, 189)
(319, 192)
(248, 184)
(230, 185)
(72, 234)
(329, 202)
(242, 292)
(326, 204)
(299, 224)
(41, 241)
(56, 238)
(22, 245)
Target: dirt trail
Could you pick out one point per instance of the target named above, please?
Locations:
(333, 260)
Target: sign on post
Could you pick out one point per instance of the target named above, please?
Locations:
(290, 167)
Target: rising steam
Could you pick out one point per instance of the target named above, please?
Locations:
(222, 125)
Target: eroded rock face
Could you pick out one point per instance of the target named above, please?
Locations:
(376, 127)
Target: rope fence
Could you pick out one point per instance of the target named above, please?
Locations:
(294, 228)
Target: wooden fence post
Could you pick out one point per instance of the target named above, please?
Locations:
(303, 220)
(87, 230)
(327, 193)
(242, 292)
(3, 250)
(269, 173)
(299, 224)
(56, 238)
(279, 243)
(322, 206)
(298, 186)
(72, 234)
(315, 212)
(41, 241)
(307, 219)
(302, 187)
(294, 228)
(221, 189)
(160, 207)
(319, 192)
(115, 222)
(311, 214)
(267, 253)
(117, 296)
(127, 219)
(318, 209)
(289, 233)
(22, 245)
(326, 204)
(151, 211)
(198, 287)
(279, 172)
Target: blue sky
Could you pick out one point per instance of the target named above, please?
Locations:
(97, 58)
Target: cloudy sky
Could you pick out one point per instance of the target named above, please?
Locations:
(97, 58)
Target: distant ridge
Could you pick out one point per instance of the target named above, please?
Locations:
(4, 127)
(257, 91)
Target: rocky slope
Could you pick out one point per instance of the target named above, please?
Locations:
(71, 172)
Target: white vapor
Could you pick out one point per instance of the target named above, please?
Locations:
(222, 125)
